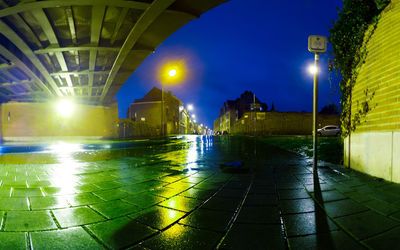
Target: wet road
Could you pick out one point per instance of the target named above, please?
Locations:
(188, 192)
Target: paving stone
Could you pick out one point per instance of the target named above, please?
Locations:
(208, 219)
(298, 206)
(112, 194)
(381, 207)
(38, 183)
(231, 193)
(358, 197)
(249, 236)
(293, 194)
(193, 180)
(89, 187)
(116, 208)
(166, 192)
(1, 218)
(388, 197)
(395, 216)
(181, 186)
(76, 216)
(29, 221)
(181, 203)
(259, 215)
(366, 224)
(332, 195)
(72, 238)
(158, 217)
(83, 199)
(262, 190)
(197, 194)
(385, 240)
(48, 202)
(26, 192)
(5, 192)
(108, 184)
(121, 232)
(208, 186)
(331, 240)
(13, 204)
(144, 200)
(308, 223)
(182, 237)
(343, 207)
(220, 203)
(241, 184)
(260, 200)
(321, 187)
(10, 240)
(52, 191)
(289, 185)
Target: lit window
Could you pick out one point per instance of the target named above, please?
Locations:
(143, 119)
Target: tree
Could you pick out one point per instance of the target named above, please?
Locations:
(330, 109)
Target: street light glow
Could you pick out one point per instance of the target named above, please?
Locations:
(172, 72)
(193, 116)
(65, 108)
(312, 69)
(190, 107)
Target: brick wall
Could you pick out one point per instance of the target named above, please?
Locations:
(381, 74)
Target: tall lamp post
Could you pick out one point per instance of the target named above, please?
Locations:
(171, 73)
(317, 45)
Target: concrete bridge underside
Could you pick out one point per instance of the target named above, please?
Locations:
(85, 49)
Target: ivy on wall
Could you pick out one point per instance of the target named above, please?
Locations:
(348, 35)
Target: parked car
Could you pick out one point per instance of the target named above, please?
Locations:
(329, 130)
(224, 132)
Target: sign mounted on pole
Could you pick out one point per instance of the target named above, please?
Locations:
(317, 44)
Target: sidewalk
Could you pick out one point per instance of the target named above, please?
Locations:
(176, 197)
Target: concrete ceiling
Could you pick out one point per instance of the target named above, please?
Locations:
(85, 49)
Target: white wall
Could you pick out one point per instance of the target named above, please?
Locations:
(375, 153)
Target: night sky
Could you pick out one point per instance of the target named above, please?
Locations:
(241, 45)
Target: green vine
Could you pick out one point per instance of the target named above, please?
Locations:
(349, 35)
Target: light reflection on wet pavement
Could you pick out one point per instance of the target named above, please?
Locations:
(171, 193)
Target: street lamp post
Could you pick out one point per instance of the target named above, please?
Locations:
(162, 108)
(171, 73)
(315, 112)
(317, 45)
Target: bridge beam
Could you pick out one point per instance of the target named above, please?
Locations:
(147, 18)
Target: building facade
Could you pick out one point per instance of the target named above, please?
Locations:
(233, 110)
(148, 111)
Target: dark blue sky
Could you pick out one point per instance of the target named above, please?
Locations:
(256, 45)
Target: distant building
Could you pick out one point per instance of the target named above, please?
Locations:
(148, 111)
(233, 110)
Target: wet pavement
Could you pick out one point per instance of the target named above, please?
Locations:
(190, 192)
